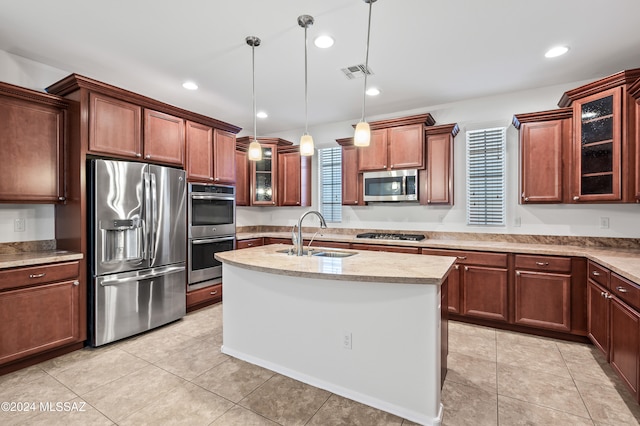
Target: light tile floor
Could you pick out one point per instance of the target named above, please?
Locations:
(177, 375)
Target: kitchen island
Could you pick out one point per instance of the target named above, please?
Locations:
(367, 327)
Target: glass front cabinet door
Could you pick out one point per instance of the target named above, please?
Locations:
(597, 145)
(263, 182)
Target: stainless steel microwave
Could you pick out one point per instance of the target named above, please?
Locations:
(393, 185)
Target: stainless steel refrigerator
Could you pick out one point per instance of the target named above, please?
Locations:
(137, 236)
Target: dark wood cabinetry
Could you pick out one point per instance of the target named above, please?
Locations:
(243, 178)
(294, 178)
(543, 292)
(202, 297)
(478, 284)
(32, 136)
(379, 247)
(281, 178)
(40, 310)
(603, 158)
(395, 144)
(252, 242)
(210, 154)
(634, 91)
(163, 139)
(351, 178)
(115, 127)
(614, 322)
(436, 182)
(545, 149)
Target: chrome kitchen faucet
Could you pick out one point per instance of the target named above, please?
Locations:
(299, 245)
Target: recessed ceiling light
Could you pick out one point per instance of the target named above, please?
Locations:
(556, 51)
(190, 85)
(262, 114)
(373, 91)
(323, 41)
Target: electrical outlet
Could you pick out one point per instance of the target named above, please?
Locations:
(346, 340)
(604, 223)
(19, 224)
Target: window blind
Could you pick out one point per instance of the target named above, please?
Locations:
(486, 177)
(330, 161)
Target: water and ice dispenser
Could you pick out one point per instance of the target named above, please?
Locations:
(122, 240)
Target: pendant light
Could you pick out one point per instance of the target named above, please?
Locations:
(362, 135)
(306, 141)
(255, 150)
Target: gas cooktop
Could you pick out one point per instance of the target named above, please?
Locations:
(391, 236)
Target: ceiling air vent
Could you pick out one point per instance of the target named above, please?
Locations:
(356, 71)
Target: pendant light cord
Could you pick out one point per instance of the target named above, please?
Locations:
(306, 96)
(253, 72)
(366, 61)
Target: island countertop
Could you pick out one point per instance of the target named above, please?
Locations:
(369, 266)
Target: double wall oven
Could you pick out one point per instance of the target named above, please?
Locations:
(212, 229)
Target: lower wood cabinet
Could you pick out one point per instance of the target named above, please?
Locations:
(614, 322)
(40, 310)
(478, 284)
(251, 242)
(202, 297)
(543, 292)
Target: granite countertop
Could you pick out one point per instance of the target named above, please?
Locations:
(37, 258)
(623, 261)
(365, 266)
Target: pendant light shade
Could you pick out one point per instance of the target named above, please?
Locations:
(362, 135)
(306, 141)
(255, 150)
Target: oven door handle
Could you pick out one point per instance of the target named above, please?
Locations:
(211, 197)
(211, 240)
(141, 277)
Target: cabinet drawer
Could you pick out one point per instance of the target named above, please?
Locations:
(207, 294)
(626, 290)
(253, 242)
(543, 263)
(598, 274)
(498, 260)
(22, 277)
(381, 247)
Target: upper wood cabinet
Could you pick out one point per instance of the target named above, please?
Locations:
(436, 182)
(32, 137)
(294, 178)
(263, 175)
(604, 139)
(210, 154)
(395, 144)
(243, 197)
(634, 91)
(115, 127)
(163, 138)
(351, 179)
(545, 149)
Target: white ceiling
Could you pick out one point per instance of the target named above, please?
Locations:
(423, 52)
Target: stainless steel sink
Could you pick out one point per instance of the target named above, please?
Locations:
(334, 254)
(319, 252)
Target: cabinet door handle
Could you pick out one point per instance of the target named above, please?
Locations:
(609, 296)
(576, 198)
(466, 268)
(37, 275)
(456, 267)
(622, 289)
(391, 166)
(518, 273)
(138, 155)
(596, 273)
(542, 263)
(76, 283)
(462, 257)
(217, 179)
(429, 201)
(61, 198)
(148, 156)
(603, 294)
(213, 293)
(211, 178)
(526, 198)
(250, 245)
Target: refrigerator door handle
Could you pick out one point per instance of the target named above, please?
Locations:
(153, 274)
(147, 222)
(154, 217)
